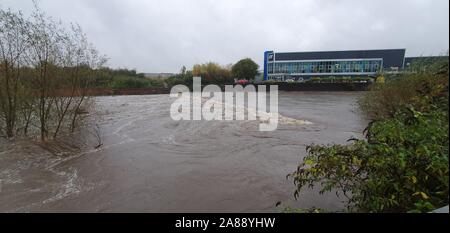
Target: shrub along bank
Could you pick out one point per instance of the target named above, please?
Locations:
(402, 165)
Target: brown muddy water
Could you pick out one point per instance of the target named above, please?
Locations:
(150, 163)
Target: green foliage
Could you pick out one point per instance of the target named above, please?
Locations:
(212, 73)
(438, 64)
(185, 78)
(402, 166)
(124, 78)
(245, 69)
(383, 100)
(128, 82)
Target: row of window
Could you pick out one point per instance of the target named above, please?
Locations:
(366, 66)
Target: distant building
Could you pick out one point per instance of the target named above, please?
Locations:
(158, 75)
(295, 65)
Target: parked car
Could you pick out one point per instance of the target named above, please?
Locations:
(242, 82)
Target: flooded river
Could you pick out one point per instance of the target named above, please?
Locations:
(150, 163)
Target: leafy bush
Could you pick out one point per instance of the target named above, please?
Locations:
(427, 64)
(383, 99)
(245, 69)
(133, 82)
(402, 166)
(181, 79)
(210, 73)
(124, 78)
(213, 73)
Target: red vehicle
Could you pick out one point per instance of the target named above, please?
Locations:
(242, 82)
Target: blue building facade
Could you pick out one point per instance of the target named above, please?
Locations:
(284, 66)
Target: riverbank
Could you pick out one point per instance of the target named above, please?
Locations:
(282, 86)
(403, 163)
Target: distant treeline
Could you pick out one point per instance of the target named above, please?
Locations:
(211, 73)
(123, 78)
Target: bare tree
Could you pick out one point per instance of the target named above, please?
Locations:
(93, 61)
(13, 44)
(72, 59)
(46, 71)
(43, 57)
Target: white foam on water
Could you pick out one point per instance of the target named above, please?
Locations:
(253, 113)
(9, 176)
(73, 185)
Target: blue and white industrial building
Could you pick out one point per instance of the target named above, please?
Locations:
(305, 65)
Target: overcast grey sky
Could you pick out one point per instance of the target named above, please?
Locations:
(164, 35)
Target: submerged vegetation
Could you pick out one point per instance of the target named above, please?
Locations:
(402, 165)
(45, 72)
